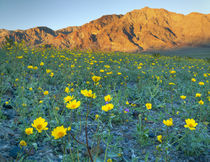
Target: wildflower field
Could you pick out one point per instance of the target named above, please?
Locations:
(62, 105)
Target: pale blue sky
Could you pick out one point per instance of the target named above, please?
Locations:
(57, 14)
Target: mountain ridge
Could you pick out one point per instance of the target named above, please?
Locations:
(143, 29)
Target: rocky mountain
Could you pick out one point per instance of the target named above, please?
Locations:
(144, 29)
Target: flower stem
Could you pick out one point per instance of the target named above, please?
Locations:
(87, 136)
(47, 134)
(106, 152)
(77, 140)
(179, 139)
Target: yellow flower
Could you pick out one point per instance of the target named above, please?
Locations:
(19, 57)
(96, 78)
(67, 90)
(201, 102)
(193, 80)
(108, 98)
(133, 105)
(59, 132)
(173, 72)
(101, 70)
(69, 128)
(183, 97)
(110, 106)
(119, 73)
(68, 98)
(72, 90)
(41, 101)
(30, 89)
(46, 93)
(29, 131)
(23, 143)
(168, 122)
(35, 67)
(109, 160)
(73, 104)
(96, 116)
(201, 83)
(108, 73)
(191, 124)
(40, 124)
(51, 74)
(171, 83)
(30, 67)
(24, 105)
(48, 71)
(88, 93)
(107, 66)
(104, 108)
(148, 106)
(177, 113)
(93, 95)
(139, 67)
(107, 107)
(127, 103)
(84, 92)
(42, 64)
(198, 95)
(159, 138)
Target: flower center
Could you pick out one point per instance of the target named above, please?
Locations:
(39, 126)
(190, 125)
(60, 134)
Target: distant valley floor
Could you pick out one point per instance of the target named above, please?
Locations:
(197, 52)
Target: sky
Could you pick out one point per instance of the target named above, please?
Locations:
(58, 14)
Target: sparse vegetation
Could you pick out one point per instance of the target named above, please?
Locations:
(84, 106)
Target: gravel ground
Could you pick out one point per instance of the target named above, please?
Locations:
(10, 135)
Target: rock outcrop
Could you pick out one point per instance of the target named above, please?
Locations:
(144, 29)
